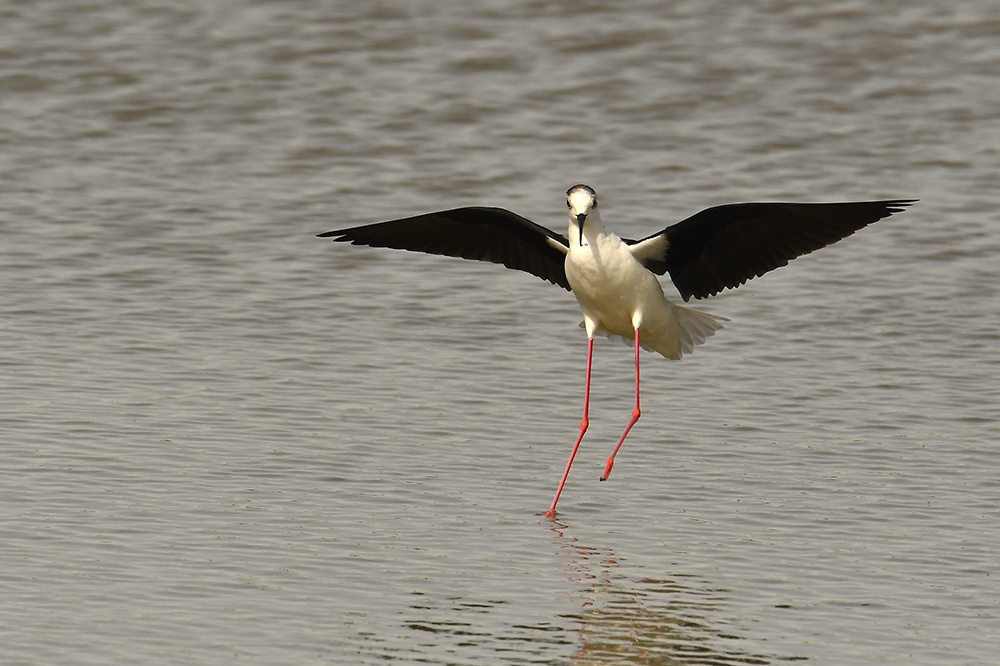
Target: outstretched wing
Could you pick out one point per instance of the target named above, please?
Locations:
(724, 246)
(480, 233)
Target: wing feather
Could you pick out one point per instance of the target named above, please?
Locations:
(478, 233)
(724, 246)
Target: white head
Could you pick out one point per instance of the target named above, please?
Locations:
(582, 202)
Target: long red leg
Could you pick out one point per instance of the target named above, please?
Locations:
(635, 415)
(583, 428)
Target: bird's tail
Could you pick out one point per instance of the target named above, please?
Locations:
(693, 328)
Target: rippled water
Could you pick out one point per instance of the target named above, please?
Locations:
(226, 440)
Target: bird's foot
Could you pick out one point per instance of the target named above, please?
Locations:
(607, 469)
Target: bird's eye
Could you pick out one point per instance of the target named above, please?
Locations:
(568, 204)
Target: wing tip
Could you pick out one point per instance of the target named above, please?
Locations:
(898, 205)
(340, 236)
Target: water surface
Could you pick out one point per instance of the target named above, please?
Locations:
(226, 440)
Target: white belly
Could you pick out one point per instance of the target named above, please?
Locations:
(617, 295)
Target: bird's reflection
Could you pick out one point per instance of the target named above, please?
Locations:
(611, 616)
(653, 620)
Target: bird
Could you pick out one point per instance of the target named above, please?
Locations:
(615, 279)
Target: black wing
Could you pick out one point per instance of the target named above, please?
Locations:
(724, 246)
(483, 234)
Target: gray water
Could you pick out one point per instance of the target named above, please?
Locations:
(228, 441)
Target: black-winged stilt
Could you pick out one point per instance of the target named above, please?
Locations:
(614, 279)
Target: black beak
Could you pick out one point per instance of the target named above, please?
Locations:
(580, 219)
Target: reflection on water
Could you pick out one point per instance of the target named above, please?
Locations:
(456, 628)
(608, 615)
(644, 620)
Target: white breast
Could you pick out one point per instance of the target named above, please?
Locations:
(614, 290)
